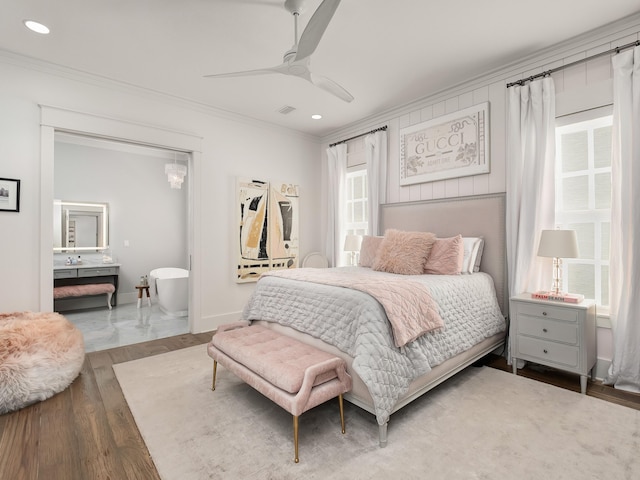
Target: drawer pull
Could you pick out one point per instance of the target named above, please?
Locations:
(545, 351)
(544, 313)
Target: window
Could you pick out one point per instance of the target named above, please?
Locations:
(583, 198)
(356, 203)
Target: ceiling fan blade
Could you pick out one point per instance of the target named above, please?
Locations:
(332, 87)
(246, 73)
(315, 28)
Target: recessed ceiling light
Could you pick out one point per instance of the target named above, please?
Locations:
(316, 116)
(36, 27)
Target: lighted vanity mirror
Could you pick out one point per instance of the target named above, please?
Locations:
(80, 226)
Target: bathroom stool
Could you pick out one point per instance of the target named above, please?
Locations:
(140, 289)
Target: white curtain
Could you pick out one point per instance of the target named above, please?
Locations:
(624, 257)
(376, 155)
(336, 185)
(530, 182)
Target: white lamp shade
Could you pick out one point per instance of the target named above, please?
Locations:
(558, 244)
(352, 243)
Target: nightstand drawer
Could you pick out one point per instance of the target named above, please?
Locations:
(547, 351)
(547, 311)
(549, 330)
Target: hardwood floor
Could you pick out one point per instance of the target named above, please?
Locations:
(569, 381)
(87, 432)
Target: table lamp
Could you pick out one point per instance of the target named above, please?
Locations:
(352, 244)
(558, 244)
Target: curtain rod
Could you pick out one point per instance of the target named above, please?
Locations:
(553, 70)
(358, 136)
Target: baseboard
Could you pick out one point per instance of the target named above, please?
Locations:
(602, 368)
(212, 322)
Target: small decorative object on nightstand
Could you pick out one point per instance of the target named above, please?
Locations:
(558, 335)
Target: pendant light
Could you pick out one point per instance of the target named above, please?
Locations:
(175, 173)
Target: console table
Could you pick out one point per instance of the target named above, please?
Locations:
(84, 275)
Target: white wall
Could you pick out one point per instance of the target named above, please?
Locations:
(231, 147)
(581, 87)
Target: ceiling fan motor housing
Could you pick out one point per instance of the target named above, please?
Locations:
(294, 6)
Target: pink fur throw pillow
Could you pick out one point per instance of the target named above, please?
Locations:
(446, 256)
(403, 252)
(369, 250)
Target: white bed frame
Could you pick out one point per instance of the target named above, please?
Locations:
(475, 216)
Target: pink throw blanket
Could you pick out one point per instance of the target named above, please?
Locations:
(408, 304)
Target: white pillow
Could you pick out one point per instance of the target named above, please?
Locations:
(473, 247)
(479, 250)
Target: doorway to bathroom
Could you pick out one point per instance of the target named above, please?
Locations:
(146, 224)
(145, 230)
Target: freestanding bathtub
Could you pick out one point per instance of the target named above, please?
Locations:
(171, 287)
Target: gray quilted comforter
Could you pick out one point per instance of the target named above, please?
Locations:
(356, 323)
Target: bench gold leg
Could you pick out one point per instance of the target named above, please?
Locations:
(295, 438)
(341, 412)
(213, 383)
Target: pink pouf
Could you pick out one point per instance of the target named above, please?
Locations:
(40, 355)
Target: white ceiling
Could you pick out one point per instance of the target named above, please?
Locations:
(385, 53)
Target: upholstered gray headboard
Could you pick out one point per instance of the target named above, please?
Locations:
(474, 216)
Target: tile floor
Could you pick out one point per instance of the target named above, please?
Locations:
(125, 324)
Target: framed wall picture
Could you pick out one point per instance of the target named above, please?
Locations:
(267, 215)
(450, 146)
(9, 195)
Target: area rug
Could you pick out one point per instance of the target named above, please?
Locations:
(481, 424)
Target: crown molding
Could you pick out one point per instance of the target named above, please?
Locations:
(48, 68)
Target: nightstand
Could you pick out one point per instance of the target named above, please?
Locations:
(556, 334)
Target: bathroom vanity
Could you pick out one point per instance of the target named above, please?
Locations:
(81, 228)
(84, 275)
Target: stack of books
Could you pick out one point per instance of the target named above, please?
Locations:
(558, 297)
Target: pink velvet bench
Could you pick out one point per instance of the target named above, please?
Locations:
(85, 290)
(294, 375)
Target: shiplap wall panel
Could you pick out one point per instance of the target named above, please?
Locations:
(496, 179)
(463, 186)
(575, 78)
(481, 182)
(393, 174)
(598, 69)
(581, 87)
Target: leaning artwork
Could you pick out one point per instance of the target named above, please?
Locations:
(267, 228)
(451, 146)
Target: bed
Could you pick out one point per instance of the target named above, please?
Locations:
(390, 367)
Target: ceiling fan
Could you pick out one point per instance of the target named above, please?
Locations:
(297, 60)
